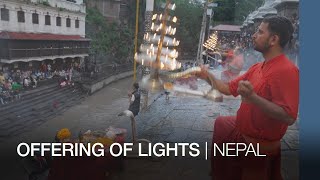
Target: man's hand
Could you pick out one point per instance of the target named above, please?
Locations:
(245, 89)
(203, 74)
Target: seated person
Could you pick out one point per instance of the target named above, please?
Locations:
(1, 95)
(33, 82)
(8, 85)
(26, 82)
(16, 94)
(2, 78)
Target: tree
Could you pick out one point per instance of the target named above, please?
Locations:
(189, 16)
(114, 41)
(110, 39)
(234, 11)
(225, 12)
(244, 8)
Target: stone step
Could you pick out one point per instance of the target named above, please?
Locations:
(45, 114)
(36, 107)
(26, 105)
(30, 95)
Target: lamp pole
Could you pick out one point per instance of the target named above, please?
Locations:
(202, 33)
(136, 41)
(147, 29)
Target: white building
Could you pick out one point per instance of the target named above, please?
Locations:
(35, 31)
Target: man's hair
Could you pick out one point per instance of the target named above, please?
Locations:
(136, 85)
(280, 26)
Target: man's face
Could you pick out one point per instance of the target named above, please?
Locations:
(261, 38)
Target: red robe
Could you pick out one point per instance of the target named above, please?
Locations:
(276, 80)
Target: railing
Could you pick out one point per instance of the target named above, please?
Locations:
(41, 52)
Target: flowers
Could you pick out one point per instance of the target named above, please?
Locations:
(104, 140)
(63, 134)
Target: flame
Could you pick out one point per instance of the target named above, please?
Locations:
(174, 31)
(154, 16)
(173, 7)
(136, 56)
(174, 19)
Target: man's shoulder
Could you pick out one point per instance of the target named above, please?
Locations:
(254, 66)
(285, 65)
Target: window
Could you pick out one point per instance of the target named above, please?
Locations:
(68, 22)
(77, 23)
(58, 21)
(20, 16)
(35, 18)
(47, 20)
(4, 14)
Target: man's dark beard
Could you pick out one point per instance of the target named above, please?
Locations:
(265, 48)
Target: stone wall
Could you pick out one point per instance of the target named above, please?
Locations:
(288, 9)
(92, 88)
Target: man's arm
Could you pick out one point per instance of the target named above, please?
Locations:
(132, 98)
(216, 83)
(273, 110)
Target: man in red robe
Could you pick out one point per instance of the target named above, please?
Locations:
(270, 99)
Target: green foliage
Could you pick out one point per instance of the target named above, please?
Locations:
(46, 3)
(234, 11)
(244, 8)
(225, 10)
(108, 38)
(188, 26)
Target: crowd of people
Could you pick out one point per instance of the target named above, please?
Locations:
(13, 82)
(238, 54)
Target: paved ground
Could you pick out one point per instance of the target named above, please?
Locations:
(181, 119)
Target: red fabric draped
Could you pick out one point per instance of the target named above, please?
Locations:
(240, 167)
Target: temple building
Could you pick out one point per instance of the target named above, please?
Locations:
(37, 32)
